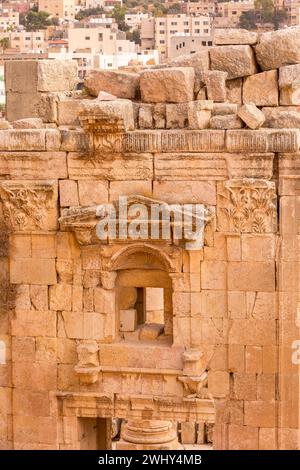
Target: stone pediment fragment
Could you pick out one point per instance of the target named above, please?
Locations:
(139, 218)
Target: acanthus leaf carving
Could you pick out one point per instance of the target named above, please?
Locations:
(29, 206)
(247, 205)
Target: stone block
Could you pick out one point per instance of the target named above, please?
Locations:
(43, 246)
(128, 320)
(57, 75)
(236, 358)
(261, 89)
(277, 48)
(267, 439)
(171, 85)
(198, 117)
(29, 123)
(68, 193)
(68, 112)
(237, 61)
(251, 115)
(228, 121)
(218, 383)
(32, 271)
(215, 82)
(60, 297)
(92, 192)
(112, 116)
(243, 437)
(146, 116)
(33, 323)
(227, 36)
(237, 304)
(199, 60)
(254, 276)
(253, 359)
(244, 386)
(260, 413)
(177, 115)
(213, 275)
(104, 300)
(159, 116)
(263, 332)
(119, 83)
(188, 432)
(234, 90)
(185, 192)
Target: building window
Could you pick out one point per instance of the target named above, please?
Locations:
(87, 38)
(100, 37)
(161, 42)
(186, 31)
(162, 31)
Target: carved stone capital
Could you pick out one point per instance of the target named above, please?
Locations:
(247, 205)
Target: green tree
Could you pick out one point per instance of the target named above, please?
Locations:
(248, 20)
(4, 43)
(35, 20)
(88, 12)
(134, 36)
(118, 14)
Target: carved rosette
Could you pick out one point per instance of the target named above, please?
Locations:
(247, 205)
(28, 205)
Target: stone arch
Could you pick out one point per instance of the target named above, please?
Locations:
(141, 256)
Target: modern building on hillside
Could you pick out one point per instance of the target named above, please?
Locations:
(158, 32)
(64, 9)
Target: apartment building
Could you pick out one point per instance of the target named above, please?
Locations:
(19, 6)
(58, 8)
(202, 7)
(164, 28)
(100, 40)
(9, 19)
(25, 42)
(182, 45)
(232, 11)
(134, 20)
(292, 8)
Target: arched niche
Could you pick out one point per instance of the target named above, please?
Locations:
(143, 279)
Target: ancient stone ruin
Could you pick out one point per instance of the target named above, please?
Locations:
(171, 343)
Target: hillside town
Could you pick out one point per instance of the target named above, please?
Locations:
(110, 34)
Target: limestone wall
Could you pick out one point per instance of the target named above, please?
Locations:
(225, 136)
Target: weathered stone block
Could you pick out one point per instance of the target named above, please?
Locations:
(237, 61)
(128, 320)
(177, 116)
(277, 48)
(119, 83)
(171, 85)
(215, 82)
(32, 271)
(228, 121)
(261, 89)
(251, 115)
(234, 36)
(68, 193)
(255, 276)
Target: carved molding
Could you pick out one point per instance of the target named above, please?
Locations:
(247, 205)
